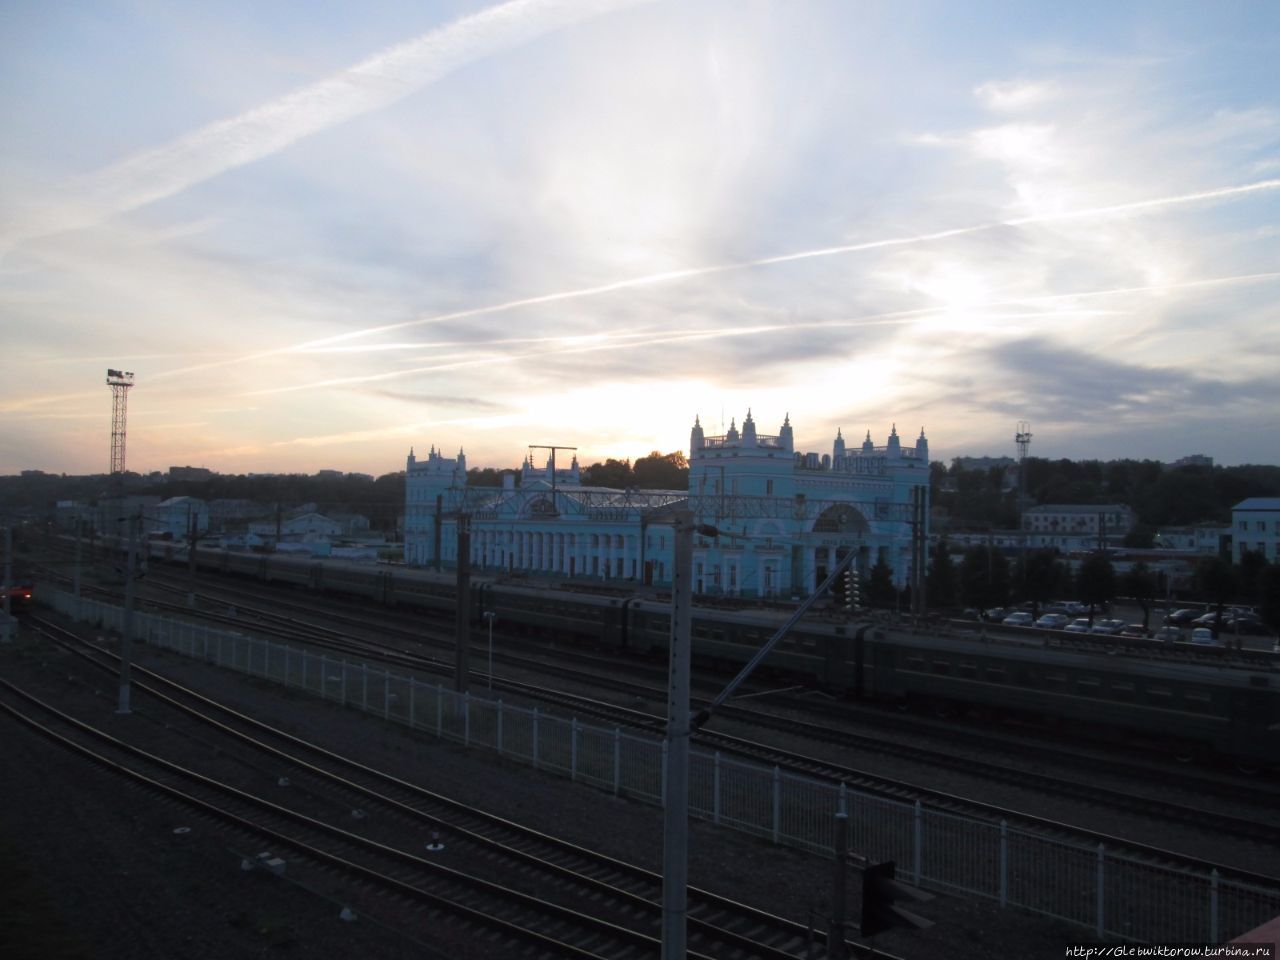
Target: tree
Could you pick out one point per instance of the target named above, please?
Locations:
(1138, 583)
(941, 578)
(1270, 611)
(880, 589)
(984, 578)
(1216, 581)
(660, 471)
(1097, 580)
(615, 474)
(1040, 575)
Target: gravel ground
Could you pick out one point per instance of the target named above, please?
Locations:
(95, 869)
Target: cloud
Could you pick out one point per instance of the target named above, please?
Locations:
(373, 84)
(1010, 96)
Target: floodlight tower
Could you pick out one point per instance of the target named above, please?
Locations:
(1023, 439)
(119, 381)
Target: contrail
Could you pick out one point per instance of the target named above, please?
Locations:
(607, 342)
(375, 83)
(1135, 207)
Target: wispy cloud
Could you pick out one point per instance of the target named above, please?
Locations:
(373, 84)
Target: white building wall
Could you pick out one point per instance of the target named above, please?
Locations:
(792, 516)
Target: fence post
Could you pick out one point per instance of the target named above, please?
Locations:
(466, 719)
(324, 676)
(1213, 906)
(535, 738)
(501, 714)
(617, 759)
(342, 690)
(573, 749)
(777, 802)
(919, 841)
(1004, 863)
(715, 789)
(1101, 925)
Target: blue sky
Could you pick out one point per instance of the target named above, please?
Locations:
(322, 234)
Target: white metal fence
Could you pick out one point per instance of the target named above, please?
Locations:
(1109, 893)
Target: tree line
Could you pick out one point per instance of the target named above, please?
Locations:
(1160, 495)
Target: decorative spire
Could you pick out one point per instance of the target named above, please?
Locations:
(786, 420)
(894, 431)
(839, 435)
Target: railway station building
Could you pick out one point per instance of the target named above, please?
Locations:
(785, 517)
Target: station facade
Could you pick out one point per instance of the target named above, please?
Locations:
(785, 518)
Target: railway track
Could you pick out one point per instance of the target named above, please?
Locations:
(603, 673)
(718, 926)
(1262, 794)
(1263, 831)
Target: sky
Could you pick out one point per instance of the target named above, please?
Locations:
(321, 235)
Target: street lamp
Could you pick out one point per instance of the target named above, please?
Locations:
(490, 616)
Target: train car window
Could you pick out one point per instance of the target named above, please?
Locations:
(717, 635)
(1197, 699)
(967, 670)
(997, 674)
(1055, 679)
(915, 661)
(1089, 686)
(942, 666)
(1122, 686)
(1160, 693)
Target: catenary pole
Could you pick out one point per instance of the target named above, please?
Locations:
(8, 583)
(126, 625)
(675, 847)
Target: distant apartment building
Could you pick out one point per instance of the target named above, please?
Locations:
(305, 527)
(1255, 528)
(190, 473)
(1076, 526)
(1206, 538)
(174, 517)
(1194, 460)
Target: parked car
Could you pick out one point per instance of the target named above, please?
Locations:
(1082, 625)
(1053, 621)
(1180, 617)
(1019, 618)
(1074, 607)
(1204, 636)
(1168, 633)
(995, 614)
(1136, 630)
(1107, 626)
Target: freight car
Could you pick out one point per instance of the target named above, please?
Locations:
(1217, 706)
